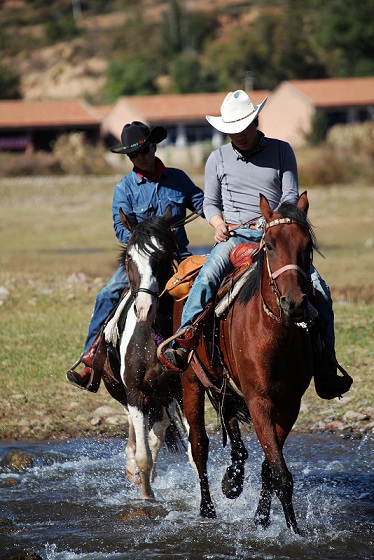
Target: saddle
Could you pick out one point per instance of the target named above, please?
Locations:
(181, 282)
(241, 258)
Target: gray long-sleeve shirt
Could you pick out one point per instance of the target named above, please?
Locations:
(233, 186)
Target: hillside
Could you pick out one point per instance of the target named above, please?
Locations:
(77, 67)
(102, 49)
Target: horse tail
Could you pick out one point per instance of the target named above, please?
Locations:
(173, 437)
(232, 400)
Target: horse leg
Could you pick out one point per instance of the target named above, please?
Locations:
(143, 456)
(193, 404)
(262, 515)
(232, 482)
(132, 472)
(156, 439)
(275, 475)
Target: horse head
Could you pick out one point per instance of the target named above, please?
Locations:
(288, 244)
(149, 258)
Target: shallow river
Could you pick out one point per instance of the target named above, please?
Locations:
(75, 503)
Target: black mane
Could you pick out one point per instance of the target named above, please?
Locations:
(288, 210)
(158, 228)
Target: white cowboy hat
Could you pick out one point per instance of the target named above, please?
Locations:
(237, 112)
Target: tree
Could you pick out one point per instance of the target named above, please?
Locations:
(9, 84)
(344, 34)
(130, 75)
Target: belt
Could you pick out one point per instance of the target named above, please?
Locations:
(251, 226)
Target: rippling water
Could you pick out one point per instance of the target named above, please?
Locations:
(75, 503)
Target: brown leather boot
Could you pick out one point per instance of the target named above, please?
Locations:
(178, 358)
(94, 359)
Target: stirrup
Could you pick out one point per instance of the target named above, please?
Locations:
(162, 347)
(91, 387)
(79, 361)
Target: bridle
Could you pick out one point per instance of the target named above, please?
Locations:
(274, 275)
(153, 293)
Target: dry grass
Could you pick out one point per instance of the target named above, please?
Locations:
(58, 248)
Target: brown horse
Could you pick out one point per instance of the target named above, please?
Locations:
(136, 378)
(264, 363)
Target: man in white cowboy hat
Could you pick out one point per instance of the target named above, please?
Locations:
(146, 191)
(235, 175)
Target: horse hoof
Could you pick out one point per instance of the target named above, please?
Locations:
(207, 511)
(232, 482)
(262, 521)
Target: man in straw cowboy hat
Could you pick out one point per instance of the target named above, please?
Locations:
(146, 191)
(235, 175)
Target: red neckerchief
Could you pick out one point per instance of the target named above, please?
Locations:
(160, 168)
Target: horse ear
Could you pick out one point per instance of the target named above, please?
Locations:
(266, 211)
(168, 213)
(303, 202)
(129, 223)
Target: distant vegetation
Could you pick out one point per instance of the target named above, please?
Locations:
(164, 46)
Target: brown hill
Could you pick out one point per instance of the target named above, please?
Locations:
(78, 67)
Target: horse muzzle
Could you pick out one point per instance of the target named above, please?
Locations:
(295, 311)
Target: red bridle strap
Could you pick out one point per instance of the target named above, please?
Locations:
(278, 272)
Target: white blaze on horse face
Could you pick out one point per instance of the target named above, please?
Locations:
(130, 325)
(145, 303)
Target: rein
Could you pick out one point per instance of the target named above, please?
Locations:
(190, 218)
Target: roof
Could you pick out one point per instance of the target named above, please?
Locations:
(167, 109)
(337, 92)
(190, 106)
(16, 114)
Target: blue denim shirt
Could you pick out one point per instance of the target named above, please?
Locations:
(139, 198)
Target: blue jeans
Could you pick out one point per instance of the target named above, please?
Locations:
(218, 265)
(106, 301)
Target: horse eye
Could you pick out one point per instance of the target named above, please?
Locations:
(269, 247)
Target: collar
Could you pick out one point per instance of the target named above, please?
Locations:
(247, 154)
(160, 168)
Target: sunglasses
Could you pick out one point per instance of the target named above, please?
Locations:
(142, 152)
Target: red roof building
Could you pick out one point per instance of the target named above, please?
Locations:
(290, 108)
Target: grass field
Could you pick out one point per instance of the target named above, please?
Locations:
(58, 248)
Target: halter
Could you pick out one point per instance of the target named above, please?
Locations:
(274, 275)
(145, 290)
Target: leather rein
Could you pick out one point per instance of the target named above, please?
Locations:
(279, 271)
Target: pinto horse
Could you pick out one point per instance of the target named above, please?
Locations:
(264, 363)
(139, 382)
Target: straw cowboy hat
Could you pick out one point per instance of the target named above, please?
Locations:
(237, 112)
(138, 135)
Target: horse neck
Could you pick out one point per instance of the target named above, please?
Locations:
(269, 299)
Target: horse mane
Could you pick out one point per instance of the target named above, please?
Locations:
(154, 227)
(286, 210)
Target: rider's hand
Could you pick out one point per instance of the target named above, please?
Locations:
(222, 233)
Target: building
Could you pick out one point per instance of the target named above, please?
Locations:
(290, 108)
(34, 125)
(182, 115)
(288, 115)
